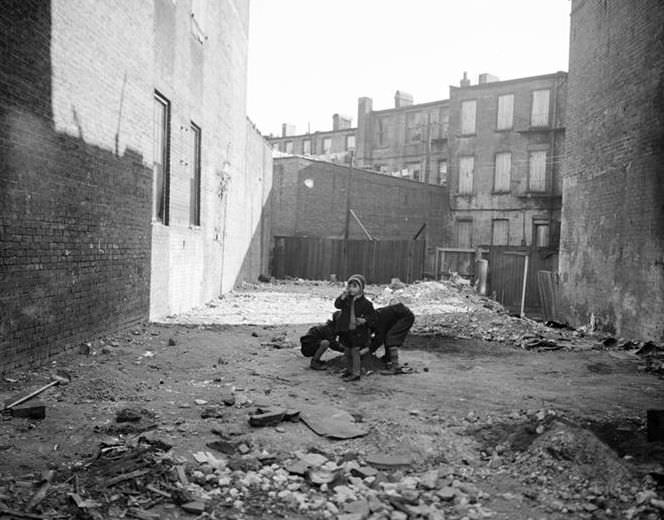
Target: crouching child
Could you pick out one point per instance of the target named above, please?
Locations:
(391, 327)
(317, 340)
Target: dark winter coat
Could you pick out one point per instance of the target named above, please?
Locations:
(392, 325)
(310, 342)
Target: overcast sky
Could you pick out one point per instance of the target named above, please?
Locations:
(311, 58)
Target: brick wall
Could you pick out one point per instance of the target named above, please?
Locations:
(74, 182)
(519, 206)
(612, 236)
(389, 207)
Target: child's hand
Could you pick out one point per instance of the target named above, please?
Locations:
(361, 321)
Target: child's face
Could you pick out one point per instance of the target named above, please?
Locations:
(353, 288)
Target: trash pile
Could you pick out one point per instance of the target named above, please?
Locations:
(648, 354)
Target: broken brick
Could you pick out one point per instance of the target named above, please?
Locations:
(267, 419)
(195, 508)
(29, 410)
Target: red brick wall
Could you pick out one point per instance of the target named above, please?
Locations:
(612, 237)
(74, 185)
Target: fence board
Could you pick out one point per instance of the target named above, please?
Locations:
(378, 260)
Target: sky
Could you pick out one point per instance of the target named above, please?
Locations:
(309, 59)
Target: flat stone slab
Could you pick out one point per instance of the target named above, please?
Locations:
(331, 422)
(380, 460)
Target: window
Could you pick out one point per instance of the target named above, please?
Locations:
(275, 146)
(195, 182)
(539, 115)
(327, 145)
(501, 232)
(502, 172)
(306, 147)
(466, 167)
(464, 234)
(505, 112)
(444, 123)
(289, 146)
(161, 161)
(537, 171)
(442, 172)
(414, 170)
(541, 233)
(414, 127)
(468, 109)
(350, 142)
(381, 132)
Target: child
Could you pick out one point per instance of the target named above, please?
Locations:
(357, 315)
(317, 340)
(391, 328)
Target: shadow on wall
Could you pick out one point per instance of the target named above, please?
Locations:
(257, 258)
(74, 218)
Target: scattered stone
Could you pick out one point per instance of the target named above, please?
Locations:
(364, 471)
(195, 508)
(389, 461)
(331, 422)
(224, 446)
(312, 460)
(84, 349)
(128, 415)
(200, 402)
(430, 479)
(243, 448)
(267, 419)
(212, 412)
(446, 493)
(358, 507)
(171, 342)
(29, 410)
(280, 429)
(228, 399)
(321, 476)
(297, 467)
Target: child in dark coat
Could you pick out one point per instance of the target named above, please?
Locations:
(391, 328)
(318, 339)
(357, 316)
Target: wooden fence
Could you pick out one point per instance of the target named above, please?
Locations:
(378, 260)
(506, 270)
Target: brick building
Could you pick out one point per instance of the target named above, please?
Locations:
(311, 198)
(405, 141)
(496, 146)
(120, 123)
(336, 145)
(612, 237)
(505, 143)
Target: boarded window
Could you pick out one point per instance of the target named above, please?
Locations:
(501, 232)
(161, 159)
(541, 234)
(468, 109)
(195, 180)
(539, 115)
(350, 142)
(306, 146)
(505, 112)
(289, 146)
(327, 144)
(464, 233)
(442, 172)
(537, 171)
(502, 174)
(466, 167)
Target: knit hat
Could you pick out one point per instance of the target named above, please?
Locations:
(359, 280)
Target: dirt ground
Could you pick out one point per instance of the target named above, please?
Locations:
(472, 410)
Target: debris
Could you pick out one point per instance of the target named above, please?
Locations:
(381, 460)
(228, 399)
(129, 415)
(268, 418)
(655, 425)
(41, 493)
(200, 402)
(171, 342)
(331, 422)
(30, 410)
(212, 412)
(82, 503)
(195, 508)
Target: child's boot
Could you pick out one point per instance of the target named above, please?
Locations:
(356, 365)
(392, 365)
(316, 363)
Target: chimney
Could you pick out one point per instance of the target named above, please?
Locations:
(287, 130)
(402, 99)
(340, 122)
(486, 78)
(465, 82)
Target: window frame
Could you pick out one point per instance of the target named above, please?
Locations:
(467, 221)
(544, 189)
(304, 148)
(162, 216)
(493, 231)
(472, 179)
(541, 223)
(547, 123)
(323, 140)
(195, 194)
(347, 138)
(287, 145)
